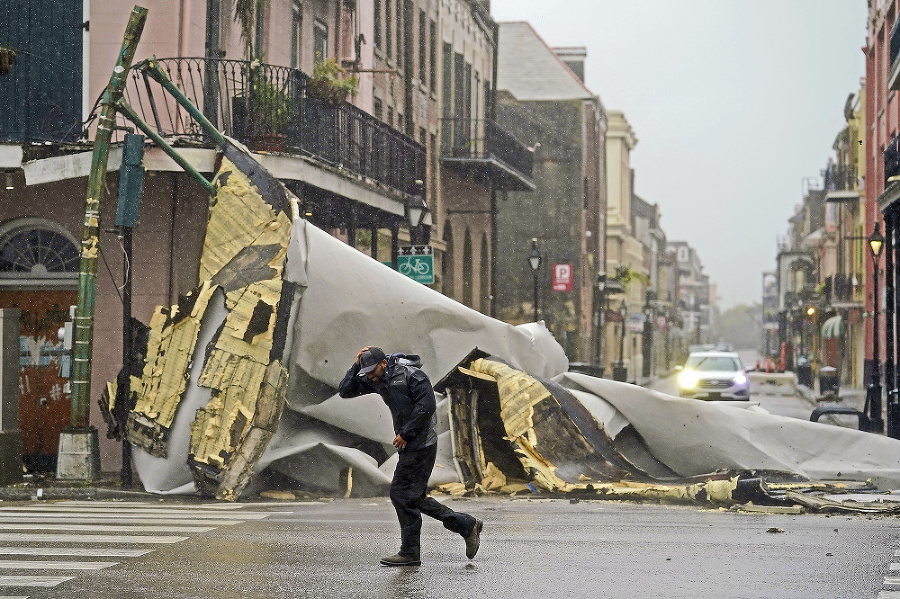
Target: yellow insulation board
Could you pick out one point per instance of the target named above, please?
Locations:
(238, 219)
(170, 349)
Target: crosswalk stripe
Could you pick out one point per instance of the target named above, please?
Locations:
(47, 565)
(64, 522)
(75, 551)
(62, 518)
(141, 511)
(62, 526)
(889, 595)
(215, 507)
(60, 538)
(33, 581)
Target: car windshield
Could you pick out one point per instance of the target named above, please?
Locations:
(713, 363)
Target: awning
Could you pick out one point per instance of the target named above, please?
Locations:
(833, 328)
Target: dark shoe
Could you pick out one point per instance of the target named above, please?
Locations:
(473, 541)
(400, 560)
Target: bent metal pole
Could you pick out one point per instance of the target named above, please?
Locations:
(83, 338)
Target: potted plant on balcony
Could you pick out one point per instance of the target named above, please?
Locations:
(273, 111)
(329, 84)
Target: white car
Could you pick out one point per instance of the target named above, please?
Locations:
(714, 375)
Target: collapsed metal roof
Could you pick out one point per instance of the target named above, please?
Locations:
(238, 389)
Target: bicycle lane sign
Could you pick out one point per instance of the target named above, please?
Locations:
(418, 268)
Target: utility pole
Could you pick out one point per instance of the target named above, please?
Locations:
(78, 445)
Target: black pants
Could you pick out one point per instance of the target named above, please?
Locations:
(408, 494)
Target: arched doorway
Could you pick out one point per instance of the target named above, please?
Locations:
(467, 269)
(484, 285)
(447, 279)
(39, 275)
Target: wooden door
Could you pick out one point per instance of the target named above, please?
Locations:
(45, 401)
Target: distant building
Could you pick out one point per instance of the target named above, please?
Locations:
(543, 101)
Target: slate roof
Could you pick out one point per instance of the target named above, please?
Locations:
(530, 70)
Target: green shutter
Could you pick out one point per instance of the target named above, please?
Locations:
(40, 98)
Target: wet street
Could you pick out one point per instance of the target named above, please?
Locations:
(531, 547)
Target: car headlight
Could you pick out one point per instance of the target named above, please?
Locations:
(688, 379)
(739, 379)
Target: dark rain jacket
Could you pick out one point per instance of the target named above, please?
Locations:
(408, 394)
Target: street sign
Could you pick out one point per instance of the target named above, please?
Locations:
(562, 277)
(417, 263)
(634, 325)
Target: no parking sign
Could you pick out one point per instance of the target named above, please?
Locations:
(562, 277)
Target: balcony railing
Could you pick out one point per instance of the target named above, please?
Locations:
(892, 160)
(482, 142)
(840, 178)
(270, 108)
(894, 57)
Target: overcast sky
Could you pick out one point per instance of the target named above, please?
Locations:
(733, 102)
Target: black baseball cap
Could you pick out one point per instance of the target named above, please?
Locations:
(369, 359)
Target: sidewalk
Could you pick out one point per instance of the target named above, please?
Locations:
(45, 486)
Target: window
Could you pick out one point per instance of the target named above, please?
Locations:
(467, 92)
(378, 109)
(320, 41)
(388, 21)
(40, 249)
(447, 84)
(390, 116)
(296, 34)
(433, 162)
(432, 58)
(423, 47)
(378, 39)
(398, 14)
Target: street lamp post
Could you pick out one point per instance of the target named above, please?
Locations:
(534, 261)
(620, 373)
(873, 394)
(416, 208)
(647, 340)
(697, 323)
(601, 304)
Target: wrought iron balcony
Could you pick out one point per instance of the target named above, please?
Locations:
(271, 108)
(894, 57)
(892, 161)
(482, 144)
(840, 178)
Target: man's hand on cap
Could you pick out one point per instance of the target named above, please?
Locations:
(361, 353)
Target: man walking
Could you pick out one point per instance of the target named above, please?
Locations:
(408, 394)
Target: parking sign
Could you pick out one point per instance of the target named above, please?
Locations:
(562, 277)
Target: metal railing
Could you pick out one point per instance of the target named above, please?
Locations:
(840, 178)
(892, 159)
(481, 139)
(271, 108)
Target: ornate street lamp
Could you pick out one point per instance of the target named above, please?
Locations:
(647, 338)
(600, 306)
(534, 261)
(416, 206)
(873, 394)
(619, 372)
